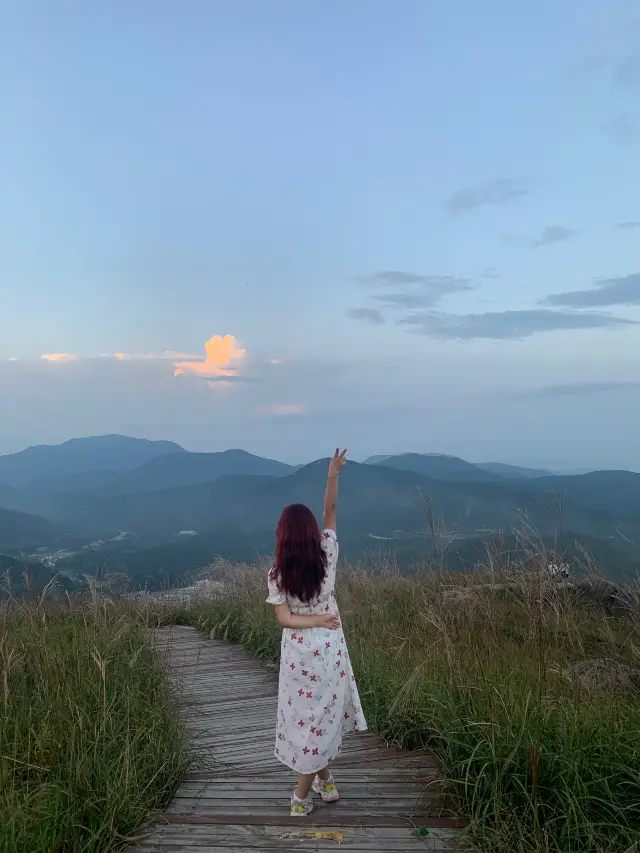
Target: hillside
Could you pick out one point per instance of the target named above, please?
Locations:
(233, 500)
(21, 531)
(20, 578)
(438, 467)
(80, 456)
(514, 471)
(374, 500)
(617, 491)
(183, 469)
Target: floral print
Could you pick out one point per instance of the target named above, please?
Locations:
(317, 698)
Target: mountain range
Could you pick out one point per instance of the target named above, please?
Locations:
(136, 497)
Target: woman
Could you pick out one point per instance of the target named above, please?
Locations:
(318, 698)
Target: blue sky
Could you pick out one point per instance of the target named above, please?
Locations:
(420, 222)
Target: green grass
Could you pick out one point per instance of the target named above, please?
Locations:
(90, 741)
(534, 761)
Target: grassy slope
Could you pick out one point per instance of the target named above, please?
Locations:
(535, 764)
(90, 740)
(89, 737)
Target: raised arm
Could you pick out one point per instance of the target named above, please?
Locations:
(331, 492)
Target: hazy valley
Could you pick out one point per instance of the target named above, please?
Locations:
(156, 512)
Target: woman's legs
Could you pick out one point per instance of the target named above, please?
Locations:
(305, 781)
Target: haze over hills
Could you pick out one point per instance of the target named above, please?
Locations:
(136, 502)
(80, 456)
(439, 467)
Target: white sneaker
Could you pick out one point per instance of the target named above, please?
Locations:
(327, 790)
(301, 808)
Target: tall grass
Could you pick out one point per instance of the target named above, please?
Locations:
(533, 759)
(90, 740)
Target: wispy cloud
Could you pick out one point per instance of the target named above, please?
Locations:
(221, 356)
(627, 73)
(492, 273)
(283, 409)
(628, 226)
(431, 288)
(369, 315)
(624, 127)
(499, 191)
(582, 388)
(165, 355)
(59, 356)
(397, 277)
(403, 290)
(505, 325)
(624, 290)
(406, 299)
(554, 234)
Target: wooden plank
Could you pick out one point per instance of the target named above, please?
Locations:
(315, 819)
(237, 797)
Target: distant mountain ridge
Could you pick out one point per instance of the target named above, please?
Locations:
(183, 469)
(439, 467)
(79, 456)
(97, 488)
(452, 467)
(517, 471)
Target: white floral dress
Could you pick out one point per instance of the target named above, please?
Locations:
(318, 698)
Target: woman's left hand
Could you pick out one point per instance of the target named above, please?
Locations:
(329, 621)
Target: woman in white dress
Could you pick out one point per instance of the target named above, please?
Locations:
(318, 699)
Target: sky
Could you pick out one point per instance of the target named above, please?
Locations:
(287, 226)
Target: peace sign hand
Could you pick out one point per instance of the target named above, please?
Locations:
(338, 462)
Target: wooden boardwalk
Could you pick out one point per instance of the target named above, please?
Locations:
(238, 799)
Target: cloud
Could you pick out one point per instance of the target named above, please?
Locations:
(627, 74)
(59, 356)
(221, 354)
(589, 64)
(397, 277)
(554, 234)
(624, 127)
(406, 299)
(165, 355)
(491, 273)
(582, 388)
(369, 315)
(505, 325)
(283, 409)
(498, 191)
(628, 226)
(624, 290)
(407, 290)
(429, 288)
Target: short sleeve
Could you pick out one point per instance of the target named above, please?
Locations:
(330, 547)
(276, 595)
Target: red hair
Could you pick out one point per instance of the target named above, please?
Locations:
(301, 562)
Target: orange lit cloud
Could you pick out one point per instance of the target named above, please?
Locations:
(284, 409)
(221, 354)
(58, 356)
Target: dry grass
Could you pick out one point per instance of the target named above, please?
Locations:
(90, 741)
(481, 677)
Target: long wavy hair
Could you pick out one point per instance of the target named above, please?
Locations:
(301, 563)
